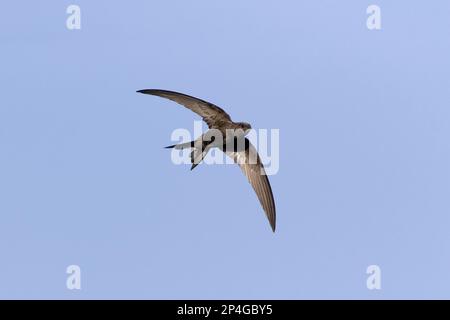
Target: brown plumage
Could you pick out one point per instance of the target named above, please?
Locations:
(247, 157)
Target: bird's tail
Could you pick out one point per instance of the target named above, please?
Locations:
(182, 145)
(199, 150)
(197, 156)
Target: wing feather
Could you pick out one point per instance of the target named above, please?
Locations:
(213, 115)
(252, 167)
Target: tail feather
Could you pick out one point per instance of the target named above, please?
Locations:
(197, 156)
(181, 145)
(198, 152)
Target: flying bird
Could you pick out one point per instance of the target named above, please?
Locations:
(244, 154)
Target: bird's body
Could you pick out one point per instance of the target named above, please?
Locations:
(228, 136)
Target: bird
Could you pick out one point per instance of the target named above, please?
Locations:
(244, 154)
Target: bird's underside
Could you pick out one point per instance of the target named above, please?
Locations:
(241, 151)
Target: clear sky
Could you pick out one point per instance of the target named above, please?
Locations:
(364, 179)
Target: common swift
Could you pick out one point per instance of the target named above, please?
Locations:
(220, 124)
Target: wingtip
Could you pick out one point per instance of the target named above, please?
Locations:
(148, 91)
(273, 224)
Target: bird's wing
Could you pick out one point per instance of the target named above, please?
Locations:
(251, 165)
(213, 115)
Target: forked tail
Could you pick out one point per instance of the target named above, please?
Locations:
(199, 150)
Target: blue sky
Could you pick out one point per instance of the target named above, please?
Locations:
(364, 175)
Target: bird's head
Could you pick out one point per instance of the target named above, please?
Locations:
(245, 126)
